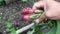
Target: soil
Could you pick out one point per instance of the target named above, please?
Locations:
(12, 12)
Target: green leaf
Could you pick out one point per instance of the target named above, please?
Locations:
(34, 26)
(58, 27)
(53, 29)
(39, 11)
(13, 31)
(7, 30)
(31, 32)
(39, 30)
(1, 0)
(24, 0)
(34, 15)
(49, 24)
(1, 19)
(9, 24)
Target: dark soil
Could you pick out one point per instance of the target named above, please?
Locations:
(12, 12)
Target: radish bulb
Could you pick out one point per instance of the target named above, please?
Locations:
(25, 18)
(23, 11)
(26, 11)
(29, 10)
(31, 16)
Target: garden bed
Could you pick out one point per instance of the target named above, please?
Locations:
(12, 12)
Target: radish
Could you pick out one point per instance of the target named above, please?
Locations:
(28, 17)
(25, 17)
(30, 11)
(26, 11)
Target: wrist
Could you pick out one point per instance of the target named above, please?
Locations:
(47, 0)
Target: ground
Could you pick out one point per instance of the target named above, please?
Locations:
(12, 12)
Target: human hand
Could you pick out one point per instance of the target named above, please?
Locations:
(51, 9)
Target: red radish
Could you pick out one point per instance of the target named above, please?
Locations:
(27, 11)
(25, 17)
(28, 8)
(30, 11)
(23, 11)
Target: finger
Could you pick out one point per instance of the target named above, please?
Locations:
(37, 5)
(41, 18)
